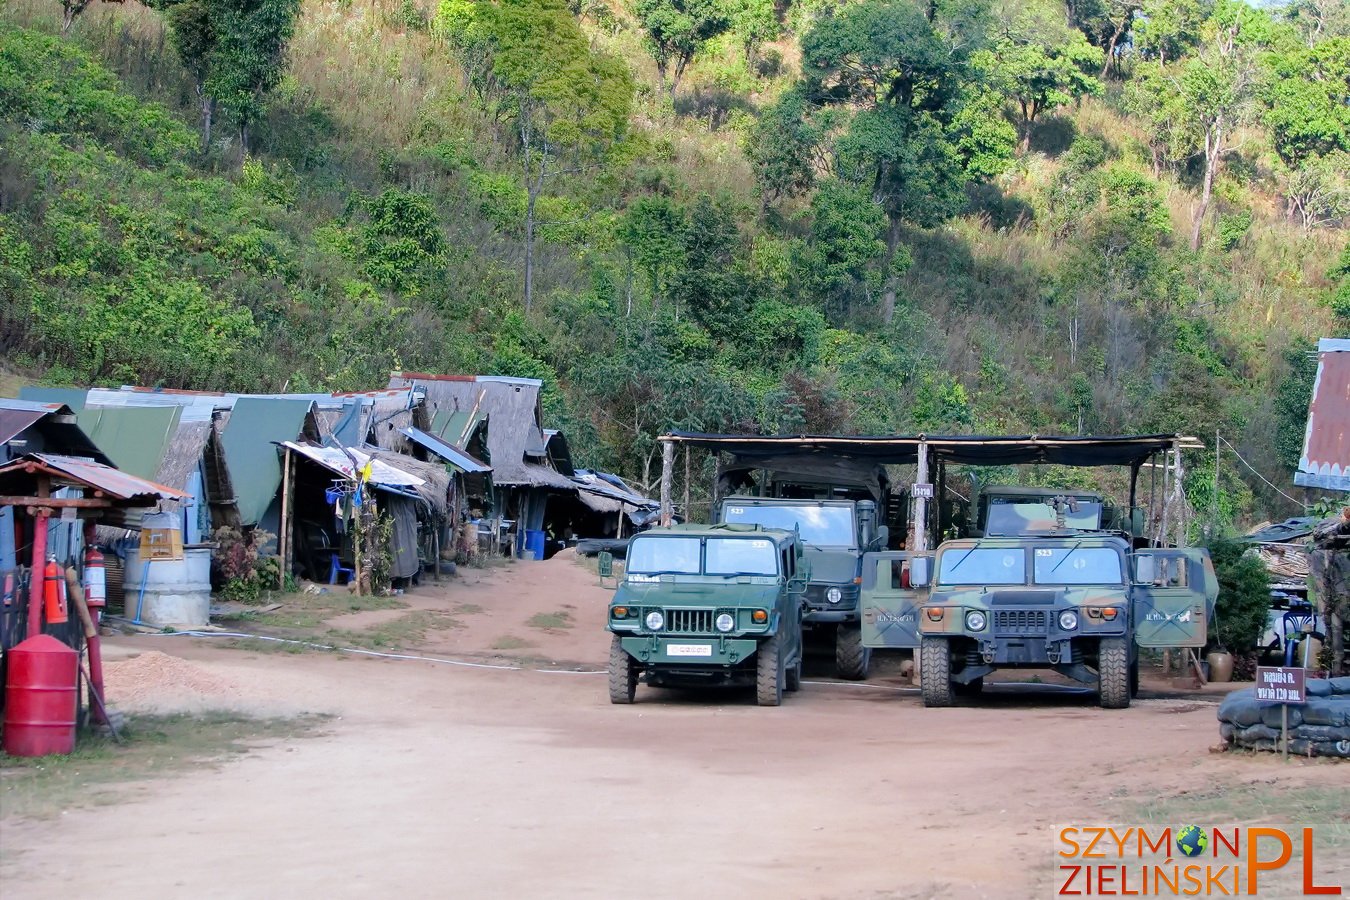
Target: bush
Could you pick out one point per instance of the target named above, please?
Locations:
(1244, 596)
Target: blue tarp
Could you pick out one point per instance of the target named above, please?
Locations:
(446, 451)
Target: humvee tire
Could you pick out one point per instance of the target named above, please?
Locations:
(769, 674)
(794, 675)
(623, 673)
(1113, 673)
(851, 658)
(935, 672)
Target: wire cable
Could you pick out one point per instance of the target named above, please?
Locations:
(1259, 475)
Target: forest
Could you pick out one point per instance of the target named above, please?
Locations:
(778, 216)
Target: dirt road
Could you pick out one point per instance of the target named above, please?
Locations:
(439, 780)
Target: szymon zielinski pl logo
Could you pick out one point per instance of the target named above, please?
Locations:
(1190, 861)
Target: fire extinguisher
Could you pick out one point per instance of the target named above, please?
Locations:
(54, 593)
(95, 583)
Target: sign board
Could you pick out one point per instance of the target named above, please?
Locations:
(1281, 684)
(922, 491)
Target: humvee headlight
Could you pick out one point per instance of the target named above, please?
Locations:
(759, 616)
(975, 620)
(834, 595)
(725, 622)
(1068, 620)
(655, 621)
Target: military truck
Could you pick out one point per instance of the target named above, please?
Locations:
(710, 604)
(836, 534)
(1080, 603)
(1009, 510)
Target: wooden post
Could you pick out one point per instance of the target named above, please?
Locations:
(687, 516)
(667, 476)
(919, 525)
(284, 539)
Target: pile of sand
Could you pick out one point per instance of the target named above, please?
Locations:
(154, 680)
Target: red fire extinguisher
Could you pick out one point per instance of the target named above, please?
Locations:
(95, 583)
(54, 593)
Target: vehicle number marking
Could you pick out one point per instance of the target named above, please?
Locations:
(1045, 553)
(689, 650)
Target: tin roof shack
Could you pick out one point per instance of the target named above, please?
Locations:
(34, 427)
(526, 485)
(1325, 462)
(39, 487)
(338, 501)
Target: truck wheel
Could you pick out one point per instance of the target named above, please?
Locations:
(769, 674)
(794, 676)
(623, 673)
(935, 672)
(851, 658)
(1113, 673)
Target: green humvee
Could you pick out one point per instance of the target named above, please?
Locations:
(710, 604)
(1079, 603)
(836, 534)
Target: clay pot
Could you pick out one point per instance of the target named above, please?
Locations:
(1220, 665)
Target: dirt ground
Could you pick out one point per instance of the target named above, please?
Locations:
(433, 779)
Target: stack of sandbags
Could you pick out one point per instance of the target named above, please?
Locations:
(1320, 727)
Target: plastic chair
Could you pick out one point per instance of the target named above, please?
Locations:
(336, 568)
(1298, 624)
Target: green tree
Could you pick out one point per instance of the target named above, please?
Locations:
(782, 146)
(1292, 399)
(676, 31)
(248, 56)
(1243, 606)
(569, 104)
(652, 231)
(842, 260)
(710, 283)
(1106, 24)
(1167, 30)
(1040, 62)
(753, 22)
(192, 34)
(886, 60)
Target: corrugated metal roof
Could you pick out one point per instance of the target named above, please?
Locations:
(1326, 444)
(447, 451)
(256, 424)
(58, 428)
(95, 476)
(134, 438)
(337, 460)
(13, 421)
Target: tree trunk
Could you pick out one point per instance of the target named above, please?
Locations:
(1213, 145)
(680, 64)
(661, 75)
(208, 115)
(529, 247)
(1111, 45)
(888, 294)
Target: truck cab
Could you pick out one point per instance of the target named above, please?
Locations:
(704, 605)
(835, 533)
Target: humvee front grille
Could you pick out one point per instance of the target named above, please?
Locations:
(689, 621)
(1020, 621)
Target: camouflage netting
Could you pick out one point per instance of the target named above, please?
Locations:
(1320, 727)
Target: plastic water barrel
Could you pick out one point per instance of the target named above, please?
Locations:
(40, 698)
(534, 540)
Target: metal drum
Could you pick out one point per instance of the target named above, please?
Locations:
(40, 697)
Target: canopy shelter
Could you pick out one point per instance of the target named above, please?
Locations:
(44, 486)
(847, 453)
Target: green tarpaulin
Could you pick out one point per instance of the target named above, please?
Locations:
(72, 397)
(135, 438)
(253, 460)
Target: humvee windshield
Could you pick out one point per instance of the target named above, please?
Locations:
(984, 565)
(822, 526)
(1077, 565)
(681, 556)
(1008, 516)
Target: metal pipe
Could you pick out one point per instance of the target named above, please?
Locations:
(35, 576)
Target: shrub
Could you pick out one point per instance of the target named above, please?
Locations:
(1244, 596)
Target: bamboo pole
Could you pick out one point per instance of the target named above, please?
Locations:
(687, 516)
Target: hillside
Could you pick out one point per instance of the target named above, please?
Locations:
(967, 218)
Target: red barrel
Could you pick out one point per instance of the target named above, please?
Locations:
(40, 697)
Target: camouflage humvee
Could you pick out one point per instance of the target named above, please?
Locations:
(835, 534)
(710, 604)
(1078, 603)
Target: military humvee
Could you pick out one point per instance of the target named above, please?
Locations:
(1079, 603)
(835, 534)
(710, 604)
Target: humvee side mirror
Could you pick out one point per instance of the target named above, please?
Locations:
(920, 573)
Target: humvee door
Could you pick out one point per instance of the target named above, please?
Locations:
(889, 605)
(1173, 596)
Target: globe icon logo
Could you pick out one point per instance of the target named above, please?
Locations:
(1192, 840)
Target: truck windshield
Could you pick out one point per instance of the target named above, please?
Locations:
(663, 556)
(741, 556)
(1020, 517)
(1077, 565)
(823, 526)
(983, 565)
